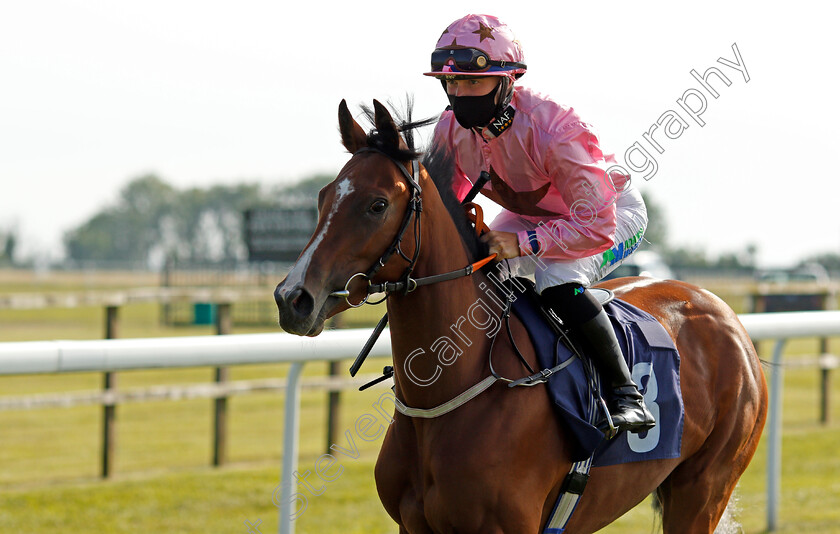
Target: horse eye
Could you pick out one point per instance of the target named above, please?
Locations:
(379, 206)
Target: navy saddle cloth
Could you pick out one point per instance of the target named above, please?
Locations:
(654, 363)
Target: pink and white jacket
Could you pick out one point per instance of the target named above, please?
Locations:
(547, 167)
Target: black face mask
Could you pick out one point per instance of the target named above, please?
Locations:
(474, 111)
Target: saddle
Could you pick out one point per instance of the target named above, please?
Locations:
(576, 391)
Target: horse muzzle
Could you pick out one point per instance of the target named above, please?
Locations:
(297, 311)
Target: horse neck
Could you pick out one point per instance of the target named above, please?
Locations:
(433, 322)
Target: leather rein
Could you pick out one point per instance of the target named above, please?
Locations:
(567, 500)
(408, 284)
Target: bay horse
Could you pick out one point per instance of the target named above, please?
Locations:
(496, 463)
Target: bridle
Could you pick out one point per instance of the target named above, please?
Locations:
(406, 283)
(415, 208)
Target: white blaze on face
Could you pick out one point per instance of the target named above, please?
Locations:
(295, 276)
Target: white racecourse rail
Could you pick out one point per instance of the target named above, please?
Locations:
(200, 351)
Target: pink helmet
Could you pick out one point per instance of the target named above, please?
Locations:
(478, 45)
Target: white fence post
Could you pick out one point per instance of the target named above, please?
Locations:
(774, 439)
(291, 440)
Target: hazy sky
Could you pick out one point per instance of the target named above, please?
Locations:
(94, 94)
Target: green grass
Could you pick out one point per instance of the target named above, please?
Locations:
(49, 458)
(49, 462)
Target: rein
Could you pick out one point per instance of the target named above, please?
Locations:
(536, 378)
(408, 284)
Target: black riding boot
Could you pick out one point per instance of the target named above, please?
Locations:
(582, 312)
(628, 410)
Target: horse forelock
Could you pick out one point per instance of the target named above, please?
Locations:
(404, 125)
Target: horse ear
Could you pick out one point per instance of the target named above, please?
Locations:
(353, 137)
(386, 127)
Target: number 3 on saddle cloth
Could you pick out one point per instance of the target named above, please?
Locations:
(655, 365)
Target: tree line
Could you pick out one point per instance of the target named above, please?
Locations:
(152, 221)
(8, 245)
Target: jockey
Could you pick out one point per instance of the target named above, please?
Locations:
(570, 217)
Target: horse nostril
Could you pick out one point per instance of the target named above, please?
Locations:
(302, 302)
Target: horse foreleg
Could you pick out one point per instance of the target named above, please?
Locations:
(396, 478)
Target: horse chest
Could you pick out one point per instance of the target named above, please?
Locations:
(456, 481)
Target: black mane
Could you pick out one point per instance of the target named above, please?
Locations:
(439, 163)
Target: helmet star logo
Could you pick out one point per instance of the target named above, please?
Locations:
(484, 32)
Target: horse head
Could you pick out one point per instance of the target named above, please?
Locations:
(360, 215)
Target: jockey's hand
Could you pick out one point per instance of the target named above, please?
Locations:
(504, 244)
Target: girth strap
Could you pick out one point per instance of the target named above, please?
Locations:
(570, 493)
